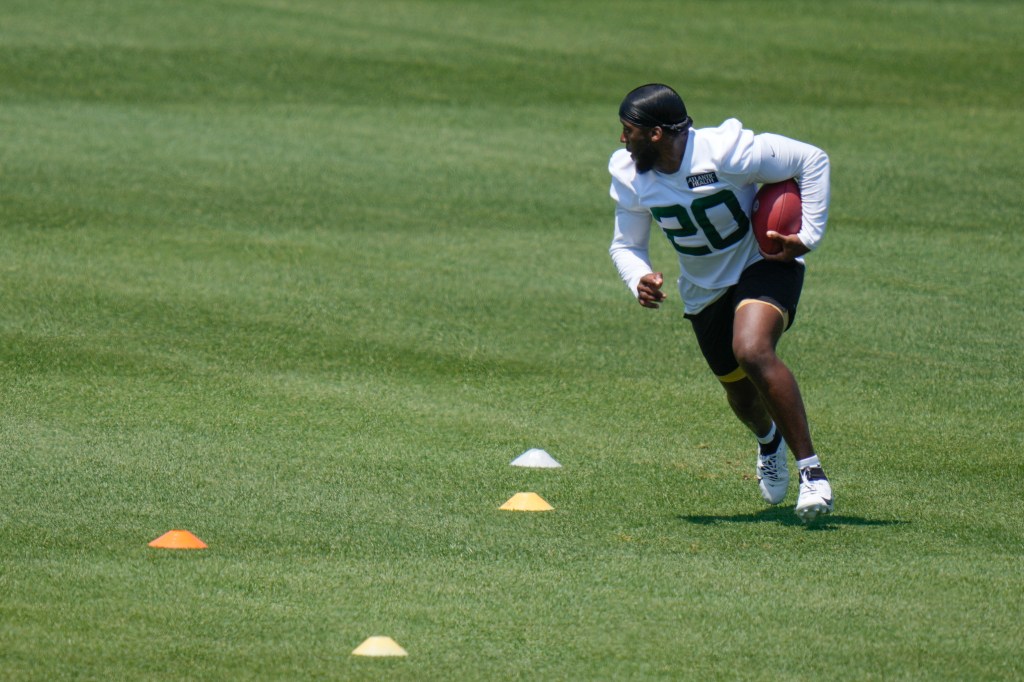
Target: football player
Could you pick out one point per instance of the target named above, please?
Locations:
(698, 185)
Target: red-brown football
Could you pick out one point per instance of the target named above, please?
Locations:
(777, 208)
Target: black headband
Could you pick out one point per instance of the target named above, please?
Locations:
(638, 117)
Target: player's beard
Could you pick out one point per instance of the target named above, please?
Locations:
(644, 158)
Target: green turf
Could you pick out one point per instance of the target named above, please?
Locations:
(304, 276)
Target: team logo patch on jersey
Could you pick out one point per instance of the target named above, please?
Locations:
(701, 179)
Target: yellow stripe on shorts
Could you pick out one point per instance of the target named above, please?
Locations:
(784, 313)
(735, 375)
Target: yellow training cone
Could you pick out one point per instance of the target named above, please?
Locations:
(178, 539)
(526, 502)
(379, 646)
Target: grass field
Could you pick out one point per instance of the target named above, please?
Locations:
(304, 276)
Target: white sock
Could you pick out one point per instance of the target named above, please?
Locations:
(765, 440)
(811, 461)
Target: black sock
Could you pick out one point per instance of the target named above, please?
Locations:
(773, 445)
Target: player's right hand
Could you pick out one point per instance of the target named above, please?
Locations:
(648, 290)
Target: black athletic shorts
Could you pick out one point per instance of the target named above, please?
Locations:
(773, 282)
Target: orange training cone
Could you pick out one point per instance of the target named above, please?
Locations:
(526, 502)
(178, 539)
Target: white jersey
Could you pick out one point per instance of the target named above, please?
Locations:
(704, 208)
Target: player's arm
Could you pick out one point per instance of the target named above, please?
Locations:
(783, 158)
(630, 254)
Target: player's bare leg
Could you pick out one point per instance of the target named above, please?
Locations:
(757, 328)
(772, 469)
(745, 401)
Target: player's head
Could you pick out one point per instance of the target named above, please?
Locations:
(652, 116)
(655, 106)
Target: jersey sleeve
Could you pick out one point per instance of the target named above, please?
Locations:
(732, 148)
(631, 241)
(782, 158)
(630, 246)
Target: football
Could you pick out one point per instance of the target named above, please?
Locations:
(777, 208)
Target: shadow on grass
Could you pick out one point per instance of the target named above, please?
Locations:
(784, 516)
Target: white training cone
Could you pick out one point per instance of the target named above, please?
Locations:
(536, 458)
(379, 646)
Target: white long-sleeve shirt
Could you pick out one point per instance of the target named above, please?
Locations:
(704, 208)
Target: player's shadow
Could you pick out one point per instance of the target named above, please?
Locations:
(784, 516)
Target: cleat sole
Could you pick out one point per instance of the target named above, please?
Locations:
(811, 512)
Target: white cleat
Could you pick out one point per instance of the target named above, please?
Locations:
(773, 474)
(815, 495)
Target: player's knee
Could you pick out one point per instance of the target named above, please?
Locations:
(754, 355)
